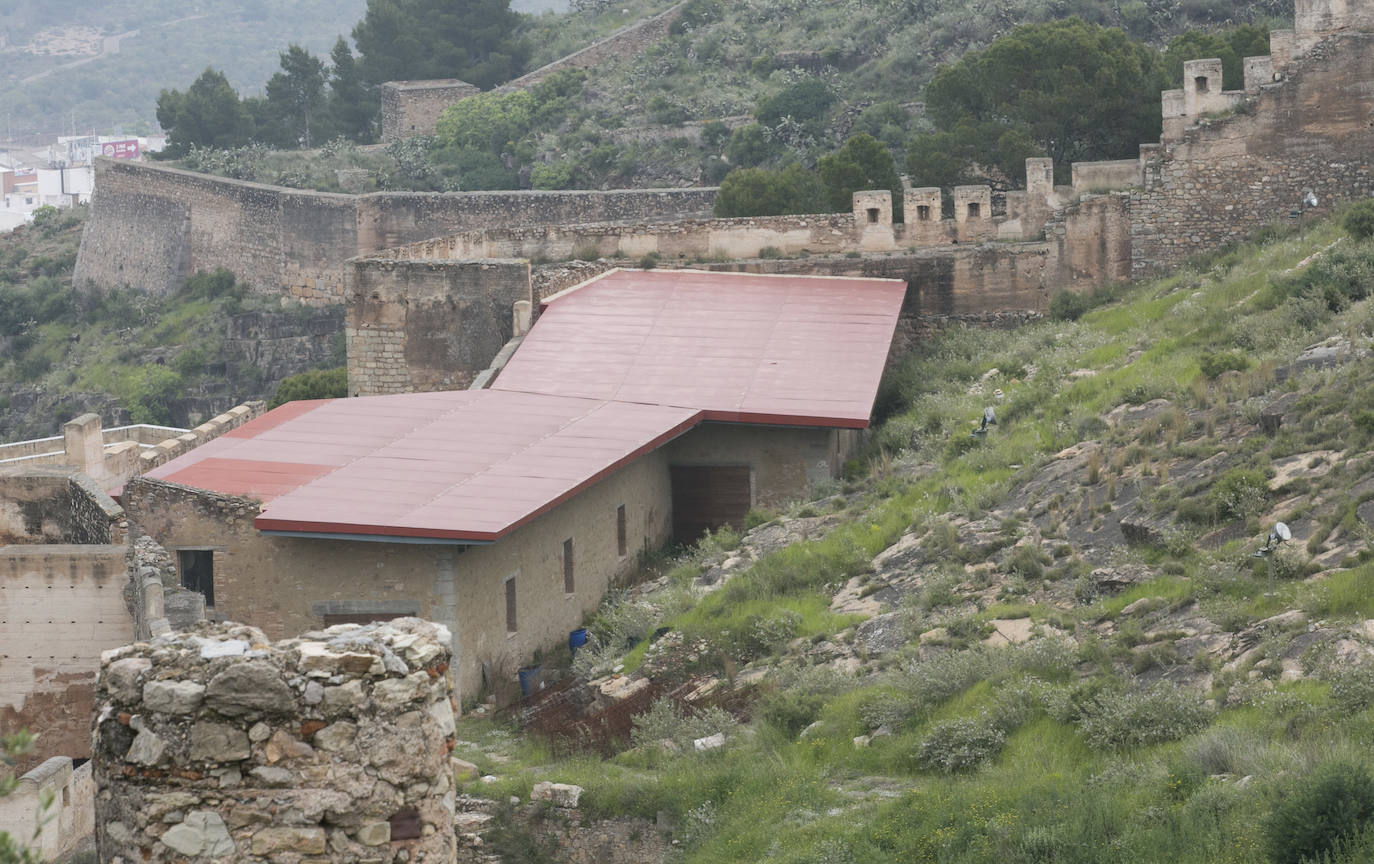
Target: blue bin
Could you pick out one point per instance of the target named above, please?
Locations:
(576, 639)
(529, 680)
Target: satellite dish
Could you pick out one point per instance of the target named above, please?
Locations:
(1282, 532)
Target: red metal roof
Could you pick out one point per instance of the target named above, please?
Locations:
(754, 348)
(611, 371)
(457, 465)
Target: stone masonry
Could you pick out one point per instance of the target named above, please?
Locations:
(214, 745)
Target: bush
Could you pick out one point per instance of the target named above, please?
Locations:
(805, 101)
(1029, 562)
(1358, 221)
(1068, 305)
(790, 711)
(1214, 364)
(1240, 493)
(663, 722)
(961, 745)
(1334, 804)
(1112, 721)
(319, 384)
(1352, 687)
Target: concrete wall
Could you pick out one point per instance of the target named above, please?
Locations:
(60, 607)
(1222, 179)
(286, 585)
(411, 108)
(71, 816)
(428, 325)
(150, 227)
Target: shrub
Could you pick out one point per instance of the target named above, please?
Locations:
(961, 745)
(1358, 220)
(807, 100)
(663, 722)
(1068, 305)
(1240, 493)
(318, 384)
(790, 711)
(1029, 562)
(1352, 687)
(1112, 721)
(1332, 805)
(1214, 364)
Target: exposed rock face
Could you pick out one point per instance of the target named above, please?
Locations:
(216, 745)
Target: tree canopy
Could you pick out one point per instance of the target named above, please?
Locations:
(1232, 46)
(473, 40)
(863, 162)
(208, 114)
(1078, 91)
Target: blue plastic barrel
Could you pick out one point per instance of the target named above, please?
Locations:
(529, 680)
(576, 639)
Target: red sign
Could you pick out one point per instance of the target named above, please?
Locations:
(120, 149)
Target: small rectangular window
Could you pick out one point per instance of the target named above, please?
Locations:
(974, 210)
(923, 212)
(622, 540)
(569, 586)
(872, 215)
(1200, 82)
(198, 572)
(510, 605)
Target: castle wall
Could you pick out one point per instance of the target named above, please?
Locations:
(1222, 179)
(216, 745)
(70, 818)
(149, 226)
(415, 326)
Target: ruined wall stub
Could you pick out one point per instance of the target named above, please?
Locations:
(217, 745)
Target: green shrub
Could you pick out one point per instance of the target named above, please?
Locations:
(1240, 493)
(805, 101)
(1358, 221)
(1113, 721)
(1068, 305)
(664, 722)
(1352, 687)
(790, 711)
(319, 384)
(1214, 364)
(1313, 817)
(961, 745)
(1029, 562)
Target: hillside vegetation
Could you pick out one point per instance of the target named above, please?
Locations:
(772, 83)
(175, 360)
(1052, 643)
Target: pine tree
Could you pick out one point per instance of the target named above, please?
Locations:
(473, 40)
(352, 105)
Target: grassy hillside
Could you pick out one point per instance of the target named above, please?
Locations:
(56, 71)
(1052, 643)
(174, 360)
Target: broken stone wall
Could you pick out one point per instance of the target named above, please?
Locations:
(334, 746)
(56, 505)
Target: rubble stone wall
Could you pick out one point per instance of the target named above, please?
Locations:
(411, 108)
(56, 505)
(217, 745)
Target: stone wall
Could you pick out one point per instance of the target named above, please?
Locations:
(329, 747)
(1223, 178)
(70, 818)
(60, 607)
(786, 462)
(56, 505)
(150, 227)
(411, 108)
(415, 326)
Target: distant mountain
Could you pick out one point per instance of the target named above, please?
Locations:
(98, 65)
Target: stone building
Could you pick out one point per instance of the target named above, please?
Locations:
(641, 406)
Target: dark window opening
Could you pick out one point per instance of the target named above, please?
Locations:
(1200, 82)
(974, 210)
(569, 586)
(622, 540)
(705, 497)
(923, 212)
(873, 215)
(332, 618)
(198, 572)
(510, 605)
(405, 824)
